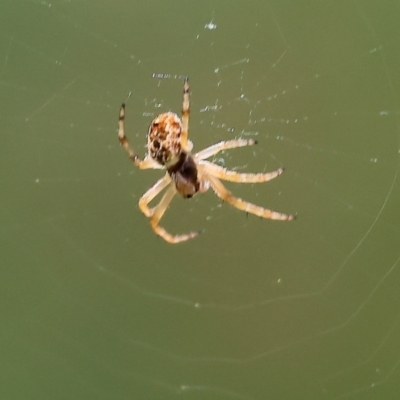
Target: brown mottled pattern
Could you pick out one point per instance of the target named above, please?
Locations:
(164, 139)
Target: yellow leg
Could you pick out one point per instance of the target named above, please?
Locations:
(157, 214)
(233, 176)
(223, 193)
(216, 148)
(151, 194)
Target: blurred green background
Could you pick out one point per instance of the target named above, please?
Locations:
(95, 306)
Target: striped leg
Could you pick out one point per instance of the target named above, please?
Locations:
(141, 164)
(185, 116)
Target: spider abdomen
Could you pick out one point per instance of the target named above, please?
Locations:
(164, 139)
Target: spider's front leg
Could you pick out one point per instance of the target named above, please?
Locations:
(151, 194)
(157, 213)
(141, 164)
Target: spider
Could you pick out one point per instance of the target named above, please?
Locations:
(169, 148)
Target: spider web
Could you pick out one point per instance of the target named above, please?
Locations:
(96, 306)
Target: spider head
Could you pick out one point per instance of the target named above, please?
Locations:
(184, 174)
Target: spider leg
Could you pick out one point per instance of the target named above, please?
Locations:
(233, 176)
(157, 214)
(229, 144)
(151, 194)
(142, 164)
(223, 193)
(186, 145)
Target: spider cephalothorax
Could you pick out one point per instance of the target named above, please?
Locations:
(187, 174)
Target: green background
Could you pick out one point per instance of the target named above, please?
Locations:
(95, 306)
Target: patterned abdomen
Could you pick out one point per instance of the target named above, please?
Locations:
(164, 139)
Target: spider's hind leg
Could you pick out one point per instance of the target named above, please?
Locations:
(141, 164)
(185, 143)
(225, 145)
